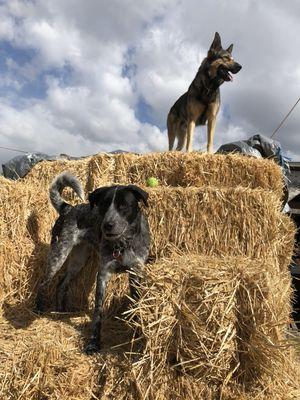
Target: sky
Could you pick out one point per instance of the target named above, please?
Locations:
(87, 76)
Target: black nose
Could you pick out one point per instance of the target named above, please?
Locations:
(236, 68)
(108, 226)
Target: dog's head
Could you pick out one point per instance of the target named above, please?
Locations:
(219, 62)
(118, 207)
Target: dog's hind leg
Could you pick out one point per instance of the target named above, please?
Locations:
(171, 130)
(181, 136)
(103, 277)
(76, 261)
(58, 254)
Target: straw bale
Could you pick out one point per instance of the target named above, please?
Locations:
(43, 173)
(218, 322)
(136, 169)
(233, 170)
(44, 362)
(219, 222)
(41, 357)
(101, 170)
(196, 169)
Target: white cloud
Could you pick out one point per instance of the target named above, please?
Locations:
(92, 105)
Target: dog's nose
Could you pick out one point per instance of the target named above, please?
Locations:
(108, 226)
(236, 68)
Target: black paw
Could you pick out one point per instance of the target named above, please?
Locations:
(61, 307)
(39, 307)
(92, 348)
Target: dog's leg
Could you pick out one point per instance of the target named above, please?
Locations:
(211, 125)
(135, 276)
(190, 134)
(77, 260)
(171, 125)
(58, 254)
(181, 128)
(212, 113)
(181, 140)
(94, 342)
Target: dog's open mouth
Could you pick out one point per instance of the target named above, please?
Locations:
(113, 236)
(228, 76)
(225, 74)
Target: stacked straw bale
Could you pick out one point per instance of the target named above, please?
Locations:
(210, 321)
(200, 170)
(216, 320)
(212, 221)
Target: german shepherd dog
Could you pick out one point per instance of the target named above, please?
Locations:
(201, 103)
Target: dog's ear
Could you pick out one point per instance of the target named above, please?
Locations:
(229, 50)
(96, 196)
(216, 44)
(139, 194)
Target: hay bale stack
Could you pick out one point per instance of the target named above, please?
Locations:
(219, 321)
(190, 219)
(205, 318)
(201, 170)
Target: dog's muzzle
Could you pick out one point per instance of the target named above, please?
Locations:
(110, 231)
(224, 72)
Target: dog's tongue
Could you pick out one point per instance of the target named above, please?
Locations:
(230, 77)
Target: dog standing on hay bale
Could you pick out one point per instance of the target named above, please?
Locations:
(201, 103)
(116, 227)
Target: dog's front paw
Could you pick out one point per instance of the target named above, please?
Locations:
(39, 306)
(61, 307)
(92, 348)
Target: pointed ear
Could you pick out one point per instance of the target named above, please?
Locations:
(96, 196)
(139, 194)
(230, 49)
(216, 44)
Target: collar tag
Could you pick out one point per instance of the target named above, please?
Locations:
(117, 255)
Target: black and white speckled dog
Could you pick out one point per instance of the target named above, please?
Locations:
(112, 223)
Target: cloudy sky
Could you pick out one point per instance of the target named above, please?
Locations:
(84, 76)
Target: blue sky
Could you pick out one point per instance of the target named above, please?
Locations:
(82, 77)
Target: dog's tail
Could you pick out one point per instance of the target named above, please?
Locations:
(65, 179)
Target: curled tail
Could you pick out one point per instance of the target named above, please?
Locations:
(65, 179)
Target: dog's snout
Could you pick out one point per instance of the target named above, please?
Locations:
(236, 68)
